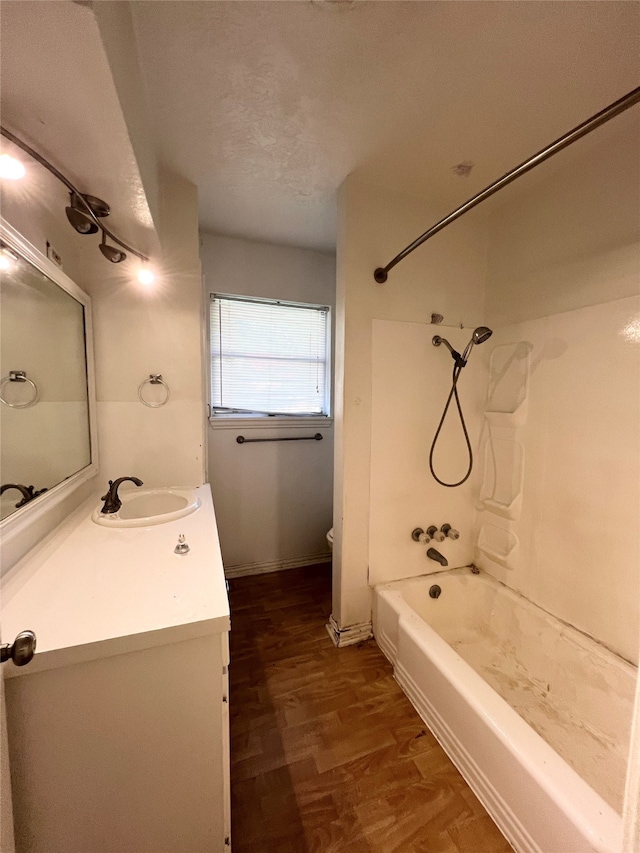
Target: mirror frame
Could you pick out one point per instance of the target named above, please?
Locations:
(18, 521)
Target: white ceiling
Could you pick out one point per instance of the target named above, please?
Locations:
(268, 106)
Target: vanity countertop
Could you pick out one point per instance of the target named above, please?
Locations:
(90, 591)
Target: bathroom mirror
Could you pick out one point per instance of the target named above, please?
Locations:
(46, 384)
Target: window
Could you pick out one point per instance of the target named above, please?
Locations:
(268, 357)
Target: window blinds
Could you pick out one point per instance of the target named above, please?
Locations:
(268, 357)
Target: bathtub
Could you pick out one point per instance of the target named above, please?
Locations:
(534, 714)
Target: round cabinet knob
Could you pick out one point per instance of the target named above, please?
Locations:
(22, 649)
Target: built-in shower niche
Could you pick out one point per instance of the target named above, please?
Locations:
(498, 544)
(508, 385)
(503, 474)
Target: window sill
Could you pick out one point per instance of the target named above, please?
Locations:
(277, 422)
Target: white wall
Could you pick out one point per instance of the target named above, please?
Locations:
(563, 279)
(273, 500)
(381, 339)
(139, 331)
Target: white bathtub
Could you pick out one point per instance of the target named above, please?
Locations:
(534, 714)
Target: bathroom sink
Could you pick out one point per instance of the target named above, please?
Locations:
(149, 506)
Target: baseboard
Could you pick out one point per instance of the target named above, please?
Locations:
(276, 565)
(349, 636)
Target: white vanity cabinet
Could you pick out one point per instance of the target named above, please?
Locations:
(118, 728)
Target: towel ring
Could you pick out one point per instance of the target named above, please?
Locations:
(154, 379)
(19, 376)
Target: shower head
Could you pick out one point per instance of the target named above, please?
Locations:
(481, 334)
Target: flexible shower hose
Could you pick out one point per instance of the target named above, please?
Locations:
(453, 393)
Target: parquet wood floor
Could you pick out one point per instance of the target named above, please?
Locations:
(327, 753)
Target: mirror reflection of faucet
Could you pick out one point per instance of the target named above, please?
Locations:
(28, 492)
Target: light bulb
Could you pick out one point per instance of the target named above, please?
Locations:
(145, 276)
(10, 168)
(6, 261)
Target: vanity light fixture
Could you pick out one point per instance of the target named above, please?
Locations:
(84, 211)
(77, 212)
(11, 169)
(111, 254)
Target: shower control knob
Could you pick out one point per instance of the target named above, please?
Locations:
(449, 532)
(417, 534)
(425, 538)
(436, 534)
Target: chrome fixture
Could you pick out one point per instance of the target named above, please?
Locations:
(154, 379)
(436, 319)
(28, 492)
(434, 533)
(432, 554)
(84, 211)
(479, 336)
(77, 216)
(381, 273)
(434, 591)
(449, 532)
(110, 252)
(425, 536)
(21, 651)
(19, 376)
(112, 502)
(181, 547)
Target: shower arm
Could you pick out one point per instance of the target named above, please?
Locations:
(460, 360)
(600, 118)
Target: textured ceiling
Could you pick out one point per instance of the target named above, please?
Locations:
(268, 106)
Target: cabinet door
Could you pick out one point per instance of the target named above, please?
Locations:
(226, 748)
(7, 844)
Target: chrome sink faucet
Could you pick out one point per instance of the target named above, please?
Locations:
(112, 502)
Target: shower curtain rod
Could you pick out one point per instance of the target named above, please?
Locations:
(614, 109)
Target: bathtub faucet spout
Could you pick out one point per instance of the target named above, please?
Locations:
(432, 554)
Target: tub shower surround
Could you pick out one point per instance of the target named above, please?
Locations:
(543, 745)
